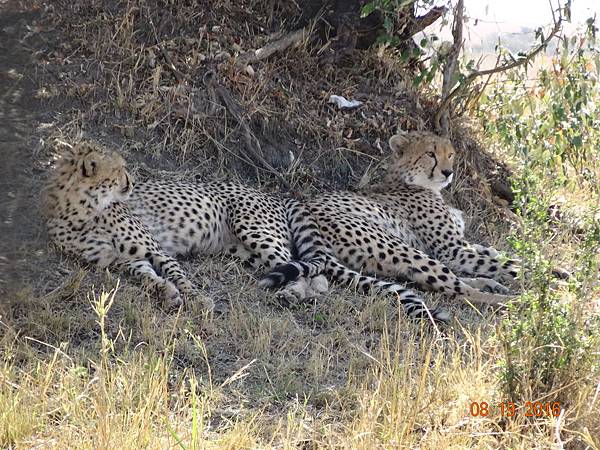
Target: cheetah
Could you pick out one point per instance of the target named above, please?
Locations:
(95, 210)
(402, 229)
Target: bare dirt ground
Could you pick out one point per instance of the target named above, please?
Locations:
(23, 247)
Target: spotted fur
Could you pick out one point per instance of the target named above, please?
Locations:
(404, 230)
(96, 212)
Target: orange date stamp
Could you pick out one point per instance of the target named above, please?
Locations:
(510, 409)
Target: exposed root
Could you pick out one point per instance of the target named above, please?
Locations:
(252, 144)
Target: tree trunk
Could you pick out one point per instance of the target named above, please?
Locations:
(339, 21)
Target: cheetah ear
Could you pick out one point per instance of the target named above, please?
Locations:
(88, 166)
(398, 142)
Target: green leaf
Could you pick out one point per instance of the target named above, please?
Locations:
(367, 9)
(388, 24)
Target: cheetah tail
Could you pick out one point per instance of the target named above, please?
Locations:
(311, 250)
(412, 304)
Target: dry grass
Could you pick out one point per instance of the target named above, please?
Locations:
(105, 367)
(111, 371)
(88, 361)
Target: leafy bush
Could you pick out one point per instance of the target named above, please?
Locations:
(549, 124)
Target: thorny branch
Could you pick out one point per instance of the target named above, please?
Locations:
(419, 23)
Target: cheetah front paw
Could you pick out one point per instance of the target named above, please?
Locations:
(293, 293)
(486, 285)
(561, 273)
(208, 303)
(190, 292)
(319, 286)
(487, 251)
(170, 295)
(303, 289)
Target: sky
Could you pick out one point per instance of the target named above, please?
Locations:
(504, 17)
(529, 13)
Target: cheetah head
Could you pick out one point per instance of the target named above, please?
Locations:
(420, 158)
(88, 178)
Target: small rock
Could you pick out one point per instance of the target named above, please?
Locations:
(222, 55)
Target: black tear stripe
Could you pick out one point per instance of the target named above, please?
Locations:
(434, 166)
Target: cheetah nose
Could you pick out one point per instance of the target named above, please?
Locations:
(447, 173)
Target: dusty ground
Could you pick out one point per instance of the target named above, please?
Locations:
(23, 250)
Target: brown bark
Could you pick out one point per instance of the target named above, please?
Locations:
(339, 21)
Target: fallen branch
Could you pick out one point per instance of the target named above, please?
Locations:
(447, 98)
(418, 24)
(293, 38)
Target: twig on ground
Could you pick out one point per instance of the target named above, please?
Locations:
(178, 75)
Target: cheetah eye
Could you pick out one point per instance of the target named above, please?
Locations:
(451, 155)
(431, 155)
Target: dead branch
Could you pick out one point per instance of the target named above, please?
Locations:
(251, 142)
(447, 98)
(443, 121)
(293, 39)
(418, 24)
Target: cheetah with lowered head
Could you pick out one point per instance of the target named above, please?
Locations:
(404, 230)
(95, 211)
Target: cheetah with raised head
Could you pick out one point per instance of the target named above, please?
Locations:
(96, 211)
(404, 230)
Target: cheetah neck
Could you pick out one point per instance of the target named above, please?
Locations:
(402, 187)
(78, 203)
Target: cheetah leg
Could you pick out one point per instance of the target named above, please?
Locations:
(313, 287)
(272, 251)
(271, 248)
(144, 270)
(103, 253)
(414, 306)
(247, 257)
(172, 271)
(475, 262)
(100, 252)
(395, 259)
(557, 271)
(293, 292)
